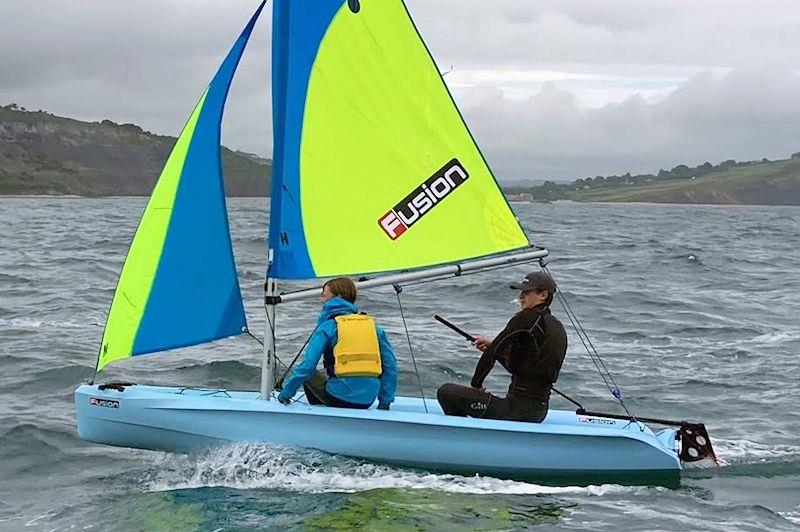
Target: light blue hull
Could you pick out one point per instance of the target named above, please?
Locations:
(563, 445)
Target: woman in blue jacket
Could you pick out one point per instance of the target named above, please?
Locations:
(358, 358)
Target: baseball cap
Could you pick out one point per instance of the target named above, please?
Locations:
(536, 281)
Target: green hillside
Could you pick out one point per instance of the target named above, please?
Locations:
(763, 183)
(729, 182)
(41, 153)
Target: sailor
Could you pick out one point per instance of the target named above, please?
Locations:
(531, 347)
(357, 356)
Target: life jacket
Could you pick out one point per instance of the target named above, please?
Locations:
(356, 353)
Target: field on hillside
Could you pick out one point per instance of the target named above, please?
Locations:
(769, 183)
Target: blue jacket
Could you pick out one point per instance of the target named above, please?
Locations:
(360, 390)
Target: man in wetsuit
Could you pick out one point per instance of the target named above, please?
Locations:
(531, 347)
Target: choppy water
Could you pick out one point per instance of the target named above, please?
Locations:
(695, 309)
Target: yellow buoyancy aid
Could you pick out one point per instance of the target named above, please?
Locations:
(357, 351)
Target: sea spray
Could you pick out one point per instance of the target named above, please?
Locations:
(257, 466)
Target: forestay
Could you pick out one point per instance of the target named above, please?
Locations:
(374, 168)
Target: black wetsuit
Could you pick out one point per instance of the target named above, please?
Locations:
(532, 348)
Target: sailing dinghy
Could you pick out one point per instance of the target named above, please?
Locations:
(374, 172)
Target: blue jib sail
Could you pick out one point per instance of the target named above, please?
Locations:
(178, 286)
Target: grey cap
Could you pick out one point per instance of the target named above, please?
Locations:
(536, 281)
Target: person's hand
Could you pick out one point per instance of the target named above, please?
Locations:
(482, 343)
(383, 406)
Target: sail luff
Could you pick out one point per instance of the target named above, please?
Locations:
(280, 36)
(298, 29)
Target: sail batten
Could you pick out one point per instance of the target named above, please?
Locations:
(375, 167)
(178, 286)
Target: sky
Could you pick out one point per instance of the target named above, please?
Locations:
(551, 89)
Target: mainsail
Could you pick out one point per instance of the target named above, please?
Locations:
(178, 285)
(374, 168)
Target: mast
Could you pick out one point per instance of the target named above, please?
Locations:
(268, 363)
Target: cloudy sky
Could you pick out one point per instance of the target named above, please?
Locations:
(556, 89)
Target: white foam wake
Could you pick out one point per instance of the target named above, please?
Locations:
(253, 466)
(743, 451)
(792, 515)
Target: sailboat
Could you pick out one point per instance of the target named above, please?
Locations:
(376, 176)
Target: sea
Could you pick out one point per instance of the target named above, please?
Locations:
(695, 311)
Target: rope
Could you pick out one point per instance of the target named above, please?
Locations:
(278, 360)
(397, 290)
(605, 374)
(567, 397)
(254, 338)
(271, 324)
(294, 360)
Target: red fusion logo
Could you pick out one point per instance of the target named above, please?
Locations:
(423, 199)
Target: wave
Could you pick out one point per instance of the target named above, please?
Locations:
(691, 257)
(448, 371)
(257, 466)
(223, 374)
(793, 516)
(222, 368)
(741, 451)
(15, 280)
(25, 445)
(45, 382)
(776, 337)
(32, 323)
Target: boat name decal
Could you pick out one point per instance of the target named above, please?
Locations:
(108, 403)
(597, 421)
(423, 199)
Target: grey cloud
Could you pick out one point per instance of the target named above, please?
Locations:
(678, 32)
(747, 114)
(147, 61)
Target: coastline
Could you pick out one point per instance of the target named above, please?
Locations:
(557, 202)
